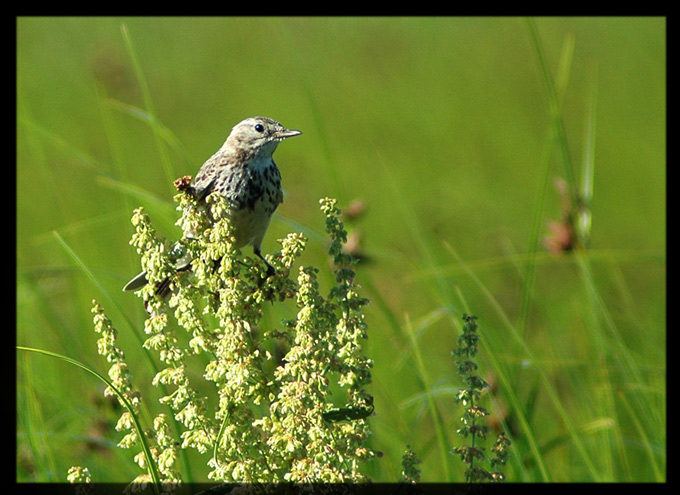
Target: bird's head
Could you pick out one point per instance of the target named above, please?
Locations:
(258, 135)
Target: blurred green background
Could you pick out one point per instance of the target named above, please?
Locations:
(442, 129)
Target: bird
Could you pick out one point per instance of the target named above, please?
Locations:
(244, 172)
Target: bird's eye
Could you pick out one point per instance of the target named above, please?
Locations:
(259, 127)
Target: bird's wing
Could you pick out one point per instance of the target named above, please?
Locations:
(205, 178)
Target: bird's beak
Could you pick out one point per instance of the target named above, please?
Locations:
(286, 133)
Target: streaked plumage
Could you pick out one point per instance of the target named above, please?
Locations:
(244, 172)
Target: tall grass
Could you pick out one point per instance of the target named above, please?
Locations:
(573, 344)
(598, 444)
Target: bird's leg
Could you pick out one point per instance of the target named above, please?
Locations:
(270, 269)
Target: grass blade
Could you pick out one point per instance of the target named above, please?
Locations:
(151, 464)
(157, 129)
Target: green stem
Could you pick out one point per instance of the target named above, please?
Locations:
(151, 464)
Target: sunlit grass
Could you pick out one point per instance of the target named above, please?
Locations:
(575, 342)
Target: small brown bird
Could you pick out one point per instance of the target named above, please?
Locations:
(244, 172)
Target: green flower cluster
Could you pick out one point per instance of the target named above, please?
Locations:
(473, 427)
(410, 472)
(269, 420)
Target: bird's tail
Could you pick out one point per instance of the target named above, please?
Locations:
(183, 262)
(136, 283)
